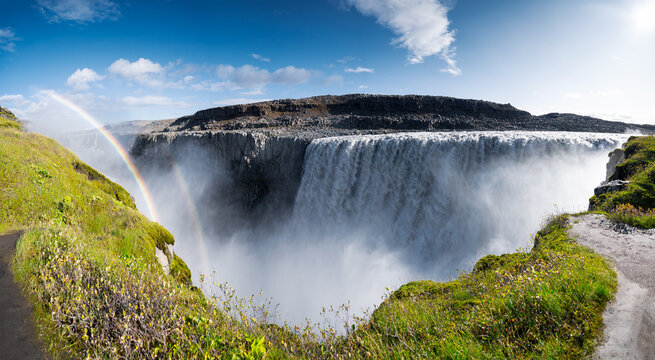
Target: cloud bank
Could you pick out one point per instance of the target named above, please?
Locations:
(422, 27)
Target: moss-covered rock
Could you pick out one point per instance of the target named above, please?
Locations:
(491, 262)
(160, 236)
(639, 169)
(8, 119)
(180, 271)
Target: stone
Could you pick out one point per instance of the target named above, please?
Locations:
(612, 186)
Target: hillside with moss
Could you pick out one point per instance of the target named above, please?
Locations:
(634, 202)
(87, 262)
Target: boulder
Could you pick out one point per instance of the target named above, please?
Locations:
(616, 185)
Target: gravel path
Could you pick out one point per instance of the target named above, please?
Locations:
(17, 335)
(630, 318)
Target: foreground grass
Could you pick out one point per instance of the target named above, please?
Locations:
(87, 262)
(546, 303)
(634, 205)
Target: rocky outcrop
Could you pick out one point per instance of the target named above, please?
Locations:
(254, 173)
(388, 112)
(616, 185)
(616, 157)
(262, 146)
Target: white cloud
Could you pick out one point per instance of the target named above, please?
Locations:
(359, 69)
(291, 75)
(573, 96)
(133, 69)
(260, 58)
(252, 77)
(81, 78)
(207, 85)
(141, 71)
(253, 92)
(422, 27)
(238, 101)
(346, 59)
(8, 39)
(79, 10)
(15, 99)
(224, 71)
(362, 87)
(334, 80)
(150, 100)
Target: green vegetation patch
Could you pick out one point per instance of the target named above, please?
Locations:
(547, 303)
(8, 119)
(634, 205)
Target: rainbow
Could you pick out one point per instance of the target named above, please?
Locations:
(179, 177)
(119, 148)
(200, 246)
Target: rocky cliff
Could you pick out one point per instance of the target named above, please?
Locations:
(388, 112)
(261, 146)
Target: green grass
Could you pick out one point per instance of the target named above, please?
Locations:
(635, 205)
(87, 262)
(8, 120)
(543, 304)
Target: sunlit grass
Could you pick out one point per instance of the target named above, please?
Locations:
(635, 205)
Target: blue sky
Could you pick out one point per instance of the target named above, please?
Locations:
(129, 59)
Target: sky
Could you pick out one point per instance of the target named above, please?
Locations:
(158, 59)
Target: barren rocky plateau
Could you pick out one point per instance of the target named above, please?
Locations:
(329, 115)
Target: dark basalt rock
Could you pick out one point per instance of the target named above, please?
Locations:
(612, 186)
(388, 113)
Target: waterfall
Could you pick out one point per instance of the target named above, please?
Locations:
(346, 217)
(443, 200)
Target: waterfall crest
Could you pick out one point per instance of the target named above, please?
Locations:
(445, 199)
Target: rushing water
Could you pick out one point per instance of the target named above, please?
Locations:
(377, 211)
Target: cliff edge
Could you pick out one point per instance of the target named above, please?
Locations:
(340, 115)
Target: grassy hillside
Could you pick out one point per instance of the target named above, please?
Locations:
(634, 205)
(87, 262)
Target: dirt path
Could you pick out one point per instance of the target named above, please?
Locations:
(17, 335)
(629, 319)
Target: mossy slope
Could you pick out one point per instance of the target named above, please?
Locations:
(635, 204)
(546, 303)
